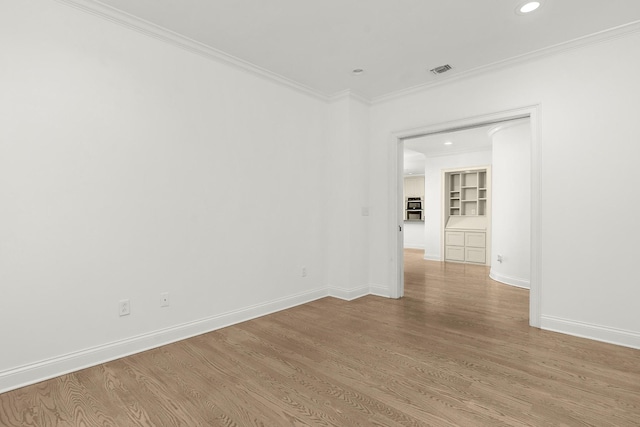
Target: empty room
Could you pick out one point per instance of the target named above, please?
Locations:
(202, 214)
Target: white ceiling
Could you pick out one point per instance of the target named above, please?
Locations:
(416, 150)
(318, 43)
(414, 162)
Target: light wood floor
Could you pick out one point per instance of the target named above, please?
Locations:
(456, 351)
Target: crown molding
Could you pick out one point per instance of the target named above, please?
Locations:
(157, 32)
(96, 8)
(595, 38)
(349, 94)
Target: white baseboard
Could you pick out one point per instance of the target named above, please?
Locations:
(379, 291)
(413, 246)
(590, 331)
(348, 294)
(430, 257)
(513, 281)
(46, 369)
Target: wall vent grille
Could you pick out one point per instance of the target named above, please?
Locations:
(441, 69)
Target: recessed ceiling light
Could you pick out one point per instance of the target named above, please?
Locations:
(528, 7)
(448, 143)
(357, 71)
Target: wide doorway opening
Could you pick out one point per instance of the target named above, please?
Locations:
(466, 224)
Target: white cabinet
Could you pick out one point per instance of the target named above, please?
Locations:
(474, 239)
(465, 246)
(414, 186)
(474, 255)
(454, 253)
(455, 238)
(467, 210)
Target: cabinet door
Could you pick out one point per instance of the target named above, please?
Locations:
(474, 239)
(414, 186)
(475, 255)
(454, 253)
(454, 238)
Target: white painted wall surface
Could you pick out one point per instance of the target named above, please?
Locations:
(339, 186)
(121, 177)
(433, 194)
(588, 133)
(347, 183)
(511, 197)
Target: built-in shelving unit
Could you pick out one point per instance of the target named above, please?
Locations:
(466, 201)
(467, 193)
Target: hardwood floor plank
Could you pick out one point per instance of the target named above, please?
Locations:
(455, 351)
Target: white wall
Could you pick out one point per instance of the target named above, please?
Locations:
(130, 167)
(511, 204)
(433, 194)
(347, 198)
(588, 133)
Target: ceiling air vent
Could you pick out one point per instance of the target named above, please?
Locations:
(441, 69)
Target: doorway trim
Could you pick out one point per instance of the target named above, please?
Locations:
(396, 179)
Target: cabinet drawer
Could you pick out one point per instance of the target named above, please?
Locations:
(454, 253)
(474, 239)
(475, 255)
(454, 238)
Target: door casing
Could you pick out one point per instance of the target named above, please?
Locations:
(396, 225)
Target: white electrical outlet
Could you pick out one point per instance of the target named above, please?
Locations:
(164, 299)
(304, 272)
(124, 307)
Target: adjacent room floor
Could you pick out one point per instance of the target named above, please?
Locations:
(455, 351)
